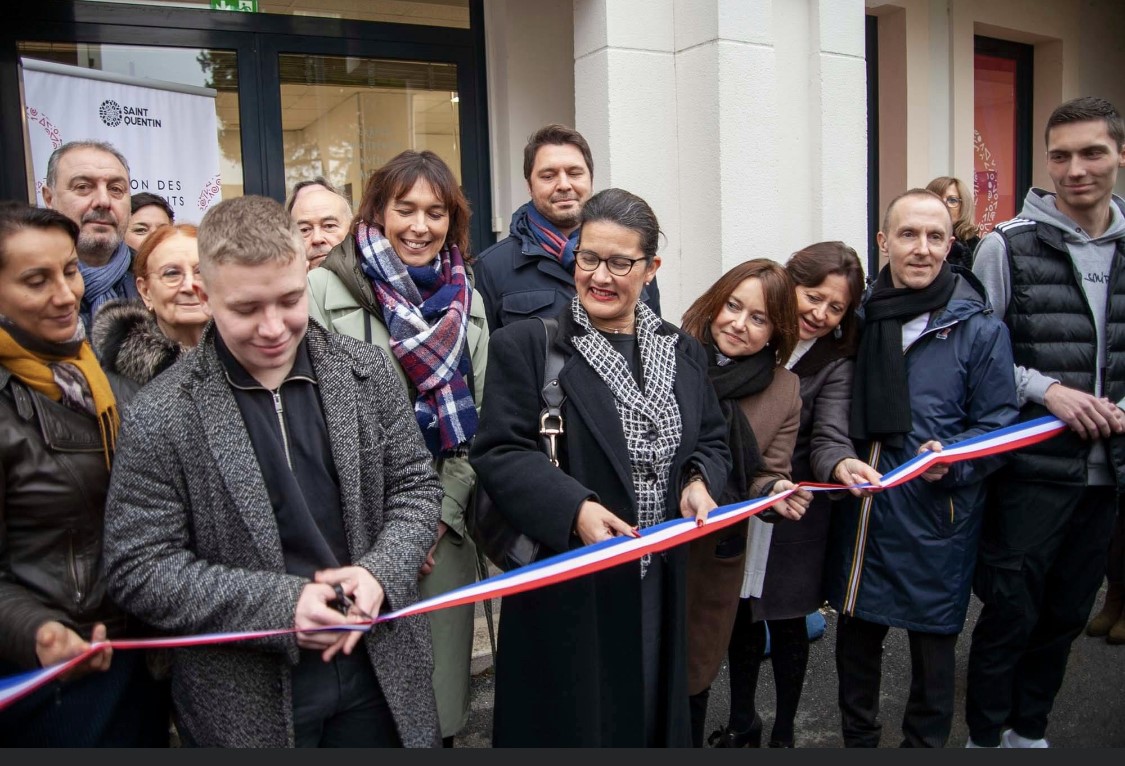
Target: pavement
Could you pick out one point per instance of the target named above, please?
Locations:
(1089, 710)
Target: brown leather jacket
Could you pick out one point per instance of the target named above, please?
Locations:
(53, 481)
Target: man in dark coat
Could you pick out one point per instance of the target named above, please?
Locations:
(276, 478)
(1057, 275)
(530, 272)
(934, 367)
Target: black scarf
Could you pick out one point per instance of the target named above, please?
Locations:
(735, 380)
(880, 396)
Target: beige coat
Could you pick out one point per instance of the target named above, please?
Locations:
(715, 578)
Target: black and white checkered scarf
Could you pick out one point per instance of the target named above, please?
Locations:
(643, 414)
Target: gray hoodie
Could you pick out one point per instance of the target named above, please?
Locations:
(1092, 258)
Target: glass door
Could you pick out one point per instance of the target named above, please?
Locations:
(291, 96)
(343, 117)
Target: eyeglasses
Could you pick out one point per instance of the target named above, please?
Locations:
(618, 265)
(952, 201)
(173, 276)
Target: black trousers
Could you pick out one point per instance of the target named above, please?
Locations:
(1042, 558)
(1115, 558)
(340, 703)
(859, 665)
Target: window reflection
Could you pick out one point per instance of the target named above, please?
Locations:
(343, 117)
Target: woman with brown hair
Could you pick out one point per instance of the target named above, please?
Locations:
(828, 282)
(959, 199)
(747, 322)
(402, 281)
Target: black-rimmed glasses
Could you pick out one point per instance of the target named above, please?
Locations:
(618, 265)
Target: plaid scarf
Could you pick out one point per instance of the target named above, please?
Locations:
(551, 239)
(641, 412)
(426, 310)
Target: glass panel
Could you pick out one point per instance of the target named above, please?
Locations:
(197, 68)
(343, 117)
(994, 139)
(436, 13)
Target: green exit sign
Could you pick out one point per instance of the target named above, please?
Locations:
(246, 6)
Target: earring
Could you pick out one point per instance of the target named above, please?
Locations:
(837, 333)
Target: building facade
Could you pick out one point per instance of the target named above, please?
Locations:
(753, 127)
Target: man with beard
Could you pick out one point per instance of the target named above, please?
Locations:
(531, 271)
(322, 216)
(88, 182)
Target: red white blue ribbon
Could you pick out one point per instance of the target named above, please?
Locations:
(582, 561)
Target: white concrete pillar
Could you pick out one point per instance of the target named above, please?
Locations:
(839, 112)
(740, 121)
(728, 149)
(625, 107)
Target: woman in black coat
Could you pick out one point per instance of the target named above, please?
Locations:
(600, 660)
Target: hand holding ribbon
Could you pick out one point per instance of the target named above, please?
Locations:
(612, 542)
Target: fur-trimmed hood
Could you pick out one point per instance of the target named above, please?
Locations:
(128, 341)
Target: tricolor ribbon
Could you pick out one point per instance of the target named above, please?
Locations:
(582, 561)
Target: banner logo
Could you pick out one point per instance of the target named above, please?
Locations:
(113, 114)
(110, 112)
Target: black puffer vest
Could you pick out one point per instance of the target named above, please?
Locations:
(1052, 331)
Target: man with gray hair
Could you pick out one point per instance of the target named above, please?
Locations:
(322, 216)
(276, 478)
(88, 182)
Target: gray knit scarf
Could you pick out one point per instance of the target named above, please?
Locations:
(642, 412)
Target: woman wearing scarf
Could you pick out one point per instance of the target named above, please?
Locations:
(601, 660)
(828, 282)
(747, 321)
(401, 281)
(59, 417)
(140, 339)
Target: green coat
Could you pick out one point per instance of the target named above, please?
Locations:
(341, 298)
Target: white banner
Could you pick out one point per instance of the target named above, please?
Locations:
(166, 131)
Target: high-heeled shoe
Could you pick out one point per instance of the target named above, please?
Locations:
(727, 737)
(779, 743)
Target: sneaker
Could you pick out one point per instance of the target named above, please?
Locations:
(1010, 739)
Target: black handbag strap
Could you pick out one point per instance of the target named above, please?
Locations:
(551, 419)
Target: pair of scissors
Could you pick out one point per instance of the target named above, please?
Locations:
(343, 603)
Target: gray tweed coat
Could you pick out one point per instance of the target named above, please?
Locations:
(192, 545)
